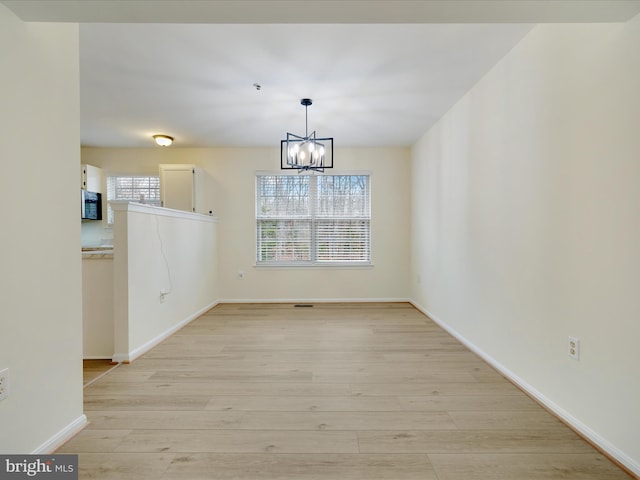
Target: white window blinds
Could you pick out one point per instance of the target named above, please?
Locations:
(319, 219)
(136, 188)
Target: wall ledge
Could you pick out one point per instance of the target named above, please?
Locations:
(128, 206)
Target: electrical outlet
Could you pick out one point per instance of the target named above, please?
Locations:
(574, 348)
(163, 293)
(4, 383)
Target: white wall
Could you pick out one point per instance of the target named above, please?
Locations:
(157, 249)
(40, 273)
(230, 174)
(526, 223)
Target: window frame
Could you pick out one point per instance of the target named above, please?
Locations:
(314, 263)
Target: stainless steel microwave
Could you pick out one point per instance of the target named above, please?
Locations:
(91, 204)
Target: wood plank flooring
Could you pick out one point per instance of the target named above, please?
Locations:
(93, 369)
(337, 391)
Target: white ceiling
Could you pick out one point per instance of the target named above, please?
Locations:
(373, 84)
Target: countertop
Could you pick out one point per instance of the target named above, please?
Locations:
(97, 252)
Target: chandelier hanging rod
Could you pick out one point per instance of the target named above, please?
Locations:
(306, 102)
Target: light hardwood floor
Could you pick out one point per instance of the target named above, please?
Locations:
(337, 391)
(94, 369)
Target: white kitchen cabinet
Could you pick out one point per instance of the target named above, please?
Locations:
(91, 178)
(97, 305)
(179, 184)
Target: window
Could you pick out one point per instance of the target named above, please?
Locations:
(136, 188)
(313, 219)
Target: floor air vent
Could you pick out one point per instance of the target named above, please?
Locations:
(303, 305)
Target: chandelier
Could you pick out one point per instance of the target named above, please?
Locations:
(308, 152)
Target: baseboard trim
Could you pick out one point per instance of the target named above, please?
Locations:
(141, 350)
(607, 448)
(62, 437)
(315, 300)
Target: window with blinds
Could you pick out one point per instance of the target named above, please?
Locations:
(313, 219)
(135, 188)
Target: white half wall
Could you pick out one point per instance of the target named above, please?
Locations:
(230, 176)
(526, 224)
(40, 272)
(160, 250)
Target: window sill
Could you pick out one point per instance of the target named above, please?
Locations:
(316, 266)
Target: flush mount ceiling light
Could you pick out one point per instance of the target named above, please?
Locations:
(163, 140)
(308, 152)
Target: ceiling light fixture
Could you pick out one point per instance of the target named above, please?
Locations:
(308, 152)
(163, 140)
